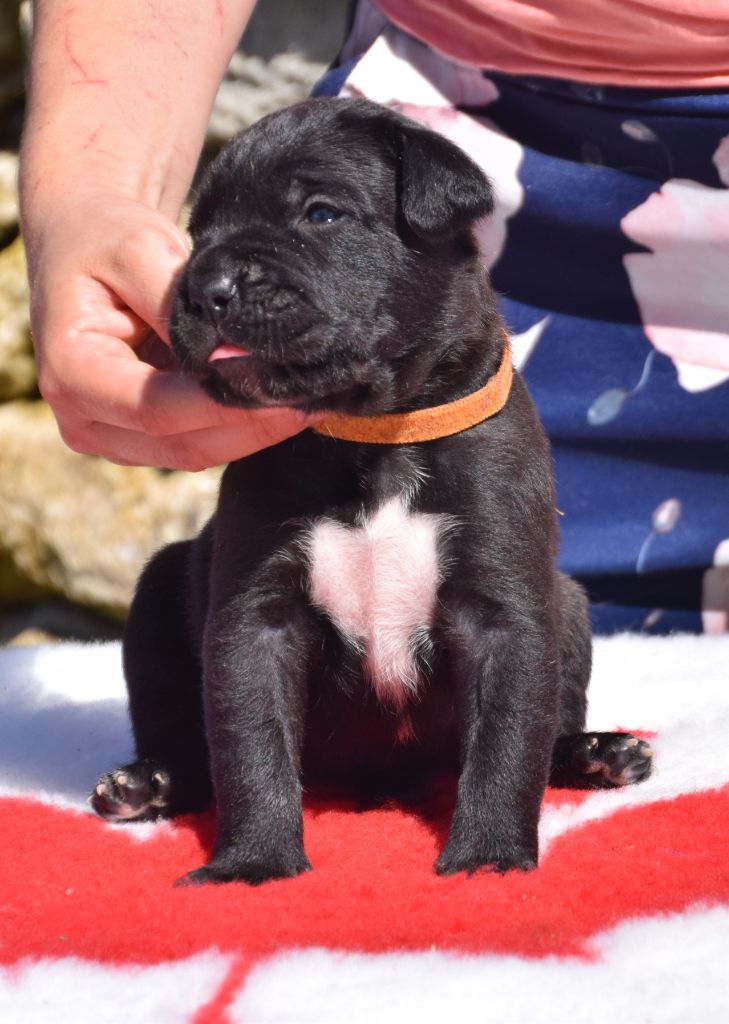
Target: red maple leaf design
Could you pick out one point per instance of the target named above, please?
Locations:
(71, 885)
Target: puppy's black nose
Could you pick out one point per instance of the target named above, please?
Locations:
(212, 294)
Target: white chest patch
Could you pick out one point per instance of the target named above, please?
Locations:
(377, 583)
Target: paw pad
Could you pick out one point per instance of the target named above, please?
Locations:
(618, 759)
(139, 792)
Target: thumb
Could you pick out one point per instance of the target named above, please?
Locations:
(145, 266)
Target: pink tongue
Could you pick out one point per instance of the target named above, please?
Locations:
(226, 351)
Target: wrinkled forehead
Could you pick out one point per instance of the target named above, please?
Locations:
(283, 162)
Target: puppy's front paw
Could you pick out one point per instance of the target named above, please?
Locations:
(470, 857)
(232, 867)
(138, 792)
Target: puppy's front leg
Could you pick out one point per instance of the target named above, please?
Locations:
(505, 672)
(255, 694)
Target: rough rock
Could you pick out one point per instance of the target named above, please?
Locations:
(74, 528)
(17, 369)
(285, 49)
(31, 638)
(12, 79)
(11, 50)
(55, 618)
(79, 527)
(8, 192)
(315, 30)
(253, 87)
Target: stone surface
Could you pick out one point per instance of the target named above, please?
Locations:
(285, 49)
(74, 528)
(253, 87)
(79, 527)
(8, 192)
(55, 617)
(31, 638)
(315, 30)
(12, 79)
(17, 369)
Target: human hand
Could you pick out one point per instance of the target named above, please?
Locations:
(102, 275)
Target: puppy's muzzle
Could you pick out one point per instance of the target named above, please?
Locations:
(213, 296)
(220, 290)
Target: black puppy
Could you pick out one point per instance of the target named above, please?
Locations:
(354, 611)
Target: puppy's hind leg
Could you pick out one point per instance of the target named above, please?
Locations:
(595, 759)
(170, 774)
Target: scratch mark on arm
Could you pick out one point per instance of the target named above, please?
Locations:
(91, 139)
(85, 78)
(219, 17)
(169, 27)
(67, 46)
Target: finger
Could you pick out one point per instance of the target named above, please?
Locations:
(105, 382)
(143, 271)
(194, 450)
(153, 351)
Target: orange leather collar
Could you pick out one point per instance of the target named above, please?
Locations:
(426, 424)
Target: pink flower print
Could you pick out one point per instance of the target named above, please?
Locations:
(664, 519)
(681, 285)
(423, 85)
(522, 345)
(715, 593)
(721, 160)
(397, 69)
(498, 156)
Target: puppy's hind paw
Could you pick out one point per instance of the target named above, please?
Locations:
(137, 792)
(601, 759)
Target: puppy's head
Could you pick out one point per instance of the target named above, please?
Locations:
(332, 260)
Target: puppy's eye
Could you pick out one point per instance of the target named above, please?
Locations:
(321, 214)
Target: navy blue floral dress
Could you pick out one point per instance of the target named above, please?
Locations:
(610, 250)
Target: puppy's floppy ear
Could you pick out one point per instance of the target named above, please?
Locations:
(442, 191)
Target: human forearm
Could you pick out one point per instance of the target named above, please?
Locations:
(120, 96)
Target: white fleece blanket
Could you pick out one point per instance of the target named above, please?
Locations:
(664, 956)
